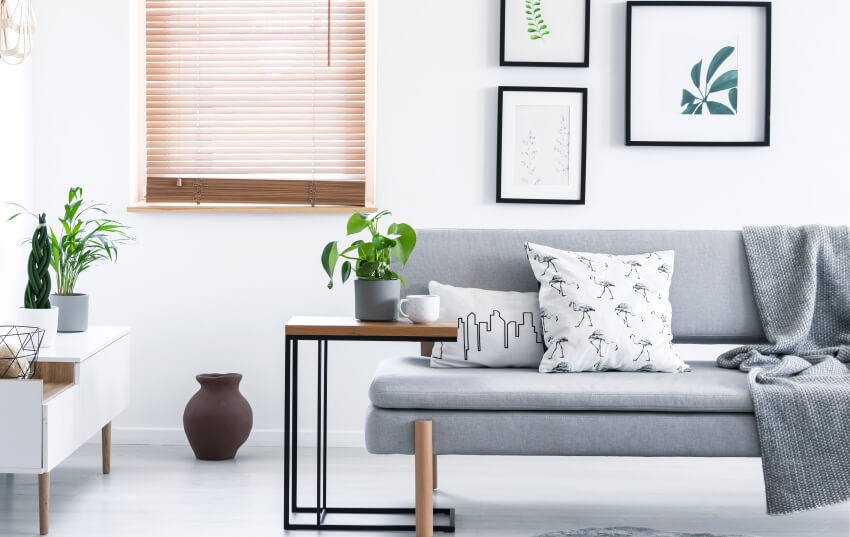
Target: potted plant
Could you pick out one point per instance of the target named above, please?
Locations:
(86, 238)
(37, 311)
(376, 289)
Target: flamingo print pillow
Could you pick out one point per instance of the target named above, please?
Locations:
(605, 312)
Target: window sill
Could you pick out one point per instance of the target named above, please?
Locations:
(142, 207)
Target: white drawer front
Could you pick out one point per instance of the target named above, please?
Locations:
(20, 426)
(102, 392)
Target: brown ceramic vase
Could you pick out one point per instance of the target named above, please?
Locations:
(217, 419)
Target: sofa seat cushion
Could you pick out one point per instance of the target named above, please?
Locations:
(409, 382)
(601, 434)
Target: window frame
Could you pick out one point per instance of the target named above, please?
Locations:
(138, 155)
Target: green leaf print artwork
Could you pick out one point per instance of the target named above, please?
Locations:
(699, 103)
(537, 28)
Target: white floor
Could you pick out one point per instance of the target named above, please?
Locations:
(164, 491)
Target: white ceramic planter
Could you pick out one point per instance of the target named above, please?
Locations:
(47, 320)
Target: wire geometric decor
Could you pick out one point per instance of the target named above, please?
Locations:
(19, 347)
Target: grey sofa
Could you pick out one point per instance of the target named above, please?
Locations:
(705, 413)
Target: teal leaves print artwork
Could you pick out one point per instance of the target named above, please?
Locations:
(537, 28)
(697, 104)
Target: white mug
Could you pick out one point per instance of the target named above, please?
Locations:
(420, 308)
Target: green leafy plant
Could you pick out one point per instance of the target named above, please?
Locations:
(370, 259)
(86, 238)
(537, 28)
(727, 81)
(37, 293)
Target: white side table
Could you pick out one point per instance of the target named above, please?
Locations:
(82, 384)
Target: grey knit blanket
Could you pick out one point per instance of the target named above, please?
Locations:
(799, 380)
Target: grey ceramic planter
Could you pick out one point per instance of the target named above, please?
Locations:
(73, 312)
(376, 300)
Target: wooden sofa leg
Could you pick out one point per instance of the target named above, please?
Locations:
(43, 502)
(106, 447)
(434, 464)
(424, 460)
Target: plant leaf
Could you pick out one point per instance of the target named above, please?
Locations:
(698, 111)
(330, 255)
(356, 223)
(346, 271)
(352, 246)
(695, 73)
(687, 97)
(367, 268)
(366, 251)
(733, 98)
(727, 80)
(718, 108)
(405, 242)
(377, 216)
(381, 242)
(718, 59)
(690, 108)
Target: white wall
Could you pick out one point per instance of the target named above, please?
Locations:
(15, 183)
(211, 292)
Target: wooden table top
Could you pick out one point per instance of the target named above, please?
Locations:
(341, 327)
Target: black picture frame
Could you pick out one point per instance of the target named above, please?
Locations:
(499, 140)
(764, 141)
(508, 63)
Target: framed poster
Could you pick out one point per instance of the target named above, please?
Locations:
(698, 73)
(541, 145)
(545, 33)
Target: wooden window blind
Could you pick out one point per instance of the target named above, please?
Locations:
(256, 101)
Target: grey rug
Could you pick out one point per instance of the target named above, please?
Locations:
(628, 532)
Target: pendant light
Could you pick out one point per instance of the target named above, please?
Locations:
(16, 28)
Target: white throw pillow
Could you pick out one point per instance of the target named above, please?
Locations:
(603, 312)
(495, 328)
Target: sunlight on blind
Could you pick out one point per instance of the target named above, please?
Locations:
(256, 101)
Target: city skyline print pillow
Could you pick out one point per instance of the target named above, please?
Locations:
(495, 328)
(604, 312)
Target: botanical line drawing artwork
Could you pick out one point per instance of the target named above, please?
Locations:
(562, 148)
(543, 146)
(695, 105)
(537, 28)
(528, 160)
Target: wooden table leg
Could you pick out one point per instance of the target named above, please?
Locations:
(43, 501)
(424, 462)
(106, 446)
(435, 472)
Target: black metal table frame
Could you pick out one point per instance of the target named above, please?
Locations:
(290, 446)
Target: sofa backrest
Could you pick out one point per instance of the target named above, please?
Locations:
(711, 291)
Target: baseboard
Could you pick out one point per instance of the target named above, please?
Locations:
(165, 436)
